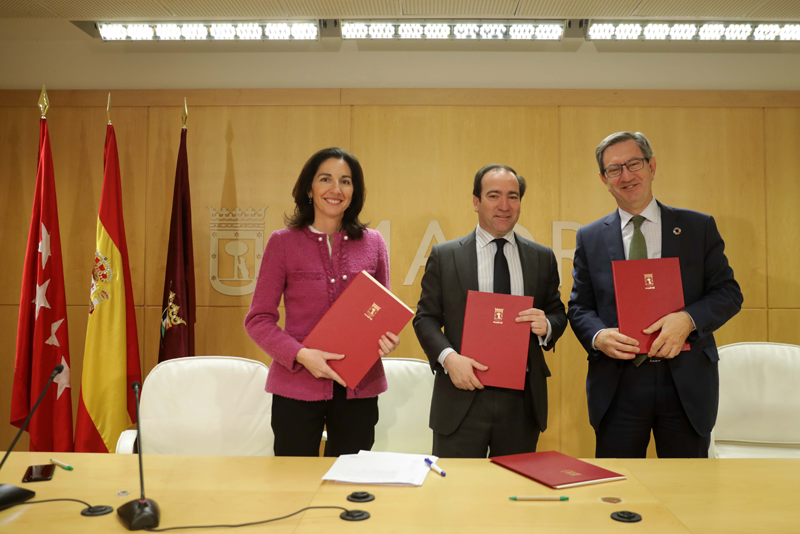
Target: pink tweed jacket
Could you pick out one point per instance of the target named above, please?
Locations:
(297, 265)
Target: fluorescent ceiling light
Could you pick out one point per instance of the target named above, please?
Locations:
(682, 31)
(217, 31)
(458, 30)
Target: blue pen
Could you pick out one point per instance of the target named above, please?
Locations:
(435, 467)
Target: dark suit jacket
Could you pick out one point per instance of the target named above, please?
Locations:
(710, 294)
(451, 271)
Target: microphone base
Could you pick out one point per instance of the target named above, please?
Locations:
(138, 515)
(11, 495)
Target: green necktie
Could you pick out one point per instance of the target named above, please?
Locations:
(638, 251)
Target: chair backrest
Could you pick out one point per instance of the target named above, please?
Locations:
(404, 410)
(207, 405)
(759, 401)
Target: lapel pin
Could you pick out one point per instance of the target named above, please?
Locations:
(676, 231)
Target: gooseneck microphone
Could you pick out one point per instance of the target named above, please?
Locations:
(142, 513)
(11, 495)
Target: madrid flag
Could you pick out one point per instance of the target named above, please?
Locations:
(178, 303)
(42, 338)
(111, 358)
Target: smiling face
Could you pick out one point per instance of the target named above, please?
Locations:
(331, 190)
(632, 190)
(499, 206)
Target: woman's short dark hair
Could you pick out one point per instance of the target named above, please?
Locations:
(304, 211)
(477, 185)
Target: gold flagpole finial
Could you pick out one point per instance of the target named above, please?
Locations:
(185, 114)
(108, 108)
(44, 102)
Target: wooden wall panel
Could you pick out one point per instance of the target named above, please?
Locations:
(19, 141)
(419, 163)
(747, 325)
(783, 195)
(783, 326)
(238, 157)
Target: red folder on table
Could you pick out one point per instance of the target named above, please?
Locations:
(353, 325)
(494, 338)
(646, 291)
(556, 470)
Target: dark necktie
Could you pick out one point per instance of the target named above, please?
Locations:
(638, 251)
(502, 277)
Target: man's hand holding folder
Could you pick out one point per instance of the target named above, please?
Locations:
(462, 371)
(537, 318)
(675, 328)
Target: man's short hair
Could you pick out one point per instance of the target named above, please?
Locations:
(621, 137)
(477, 185)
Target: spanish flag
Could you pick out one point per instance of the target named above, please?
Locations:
(111, 357)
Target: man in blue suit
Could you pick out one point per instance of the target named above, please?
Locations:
(675, 394)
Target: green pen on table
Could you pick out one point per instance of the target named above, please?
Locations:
(61, 464)
(539, 498)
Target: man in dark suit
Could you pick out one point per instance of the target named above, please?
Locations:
(675, 394)
(467, 418)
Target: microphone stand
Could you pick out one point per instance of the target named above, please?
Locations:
(142, 513)
(11, 495)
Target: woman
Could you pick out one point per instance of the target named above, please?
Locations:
(310, 263)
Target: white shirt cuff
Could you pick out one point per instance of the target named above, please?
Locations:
(442, 356)
(594, 347)
(546, 339)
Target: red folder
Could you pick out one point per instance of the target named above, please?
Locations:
(353, 325)
(493, 337)
(646, 291)
(556, 470)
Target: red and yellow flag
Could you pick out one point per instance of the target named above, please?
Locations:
(42, 337)
(111, 358)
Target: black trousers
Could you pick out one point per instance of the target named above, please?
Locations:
(298, 424)
(500, 421)
(647, 399)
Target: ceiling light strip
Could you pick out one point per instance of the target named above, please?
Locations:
(698, 31)
(217, 31)
(454, 30)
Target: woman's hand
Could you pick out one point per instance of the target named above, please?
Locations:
(316, 361)
(388, 343)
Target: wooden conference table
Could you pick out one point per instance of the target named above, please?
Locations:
(697, 496)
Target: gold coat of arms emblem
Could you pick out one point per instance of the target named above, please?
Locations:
(237, 244)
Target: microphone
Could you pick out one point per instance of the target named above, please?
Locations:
(142, 513)
(11, 495)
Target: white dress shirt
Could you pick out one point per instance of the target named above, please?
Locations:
(486, 250)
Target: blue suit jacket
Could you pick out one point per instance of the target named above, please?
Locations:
(710, 293)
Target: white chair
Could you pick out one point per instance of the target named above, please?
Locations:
(759, 402)
(405, 408)
(205, 405)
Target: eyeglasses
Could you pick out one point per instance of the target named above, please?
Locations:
(635, 164)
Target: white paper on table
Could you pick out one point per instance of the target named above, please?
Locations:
(391, 468)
